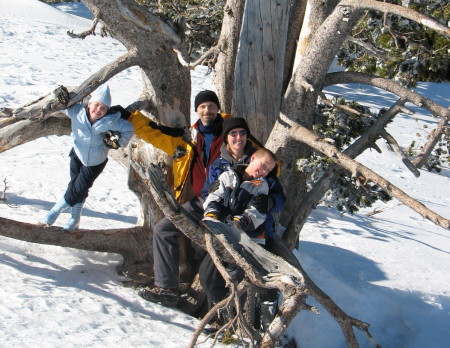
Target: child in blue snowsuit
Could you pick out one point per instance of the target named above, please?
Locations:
(89, 154)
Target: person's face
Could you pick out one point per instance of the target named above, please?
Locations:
(259, 167)
(207, 112)
(236, 139)
(97, 110)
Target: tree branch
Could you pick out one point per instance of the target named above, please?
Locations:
(84, 34)
(433, 139)
(213, 50)
(304, 135)
(311, 199)
(393, 143)
(48, 104)
(369, 48)
(3, 198)
(398, 10)
(388, 85)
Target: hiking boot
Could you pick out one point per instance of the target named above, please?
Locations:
(165, 297)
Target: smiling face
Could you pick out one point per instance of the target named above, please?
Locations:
(207, 112)
(236, 140)
(260, 165)
(96, 110)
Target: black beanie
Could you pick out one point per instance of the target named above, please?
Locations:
(232, 123)
(206, 96)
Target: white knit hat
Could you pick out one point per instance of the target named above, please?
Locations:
(101, 94)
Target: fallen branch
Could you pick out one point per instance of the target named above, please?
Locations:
(3, 198)
(394, 145)
(262, 268)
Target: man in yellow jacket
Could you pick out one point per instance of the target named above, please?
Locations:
(191, 161)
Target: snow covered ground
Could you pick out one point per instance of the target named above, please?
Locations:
(390, 270)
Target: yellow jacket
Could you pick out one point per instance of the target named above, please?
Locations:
(181, 151)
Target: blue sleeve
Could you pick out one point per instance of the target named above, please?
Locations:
(276, 192)
(126, 131)
(269, 226)
(215, 169)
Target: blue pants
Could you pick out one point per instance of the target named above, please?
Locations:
(81, 179)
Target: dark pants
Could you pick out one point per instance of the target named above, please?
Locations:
(166, 248)
(212, 281)
(81, 179)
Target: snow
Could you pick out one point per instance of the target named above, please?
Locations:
(389, 270)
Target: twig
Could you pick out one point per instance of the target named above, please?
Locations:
(4, 199)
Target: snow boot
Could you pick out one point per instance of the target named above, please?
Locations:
(268, 310)
(57, 209)
(75, 213)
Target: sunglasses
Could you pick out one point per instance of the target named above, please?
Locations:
(235, 133)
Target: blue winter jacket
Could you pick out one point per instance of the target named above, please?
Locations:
(88, 138)
(225, 161)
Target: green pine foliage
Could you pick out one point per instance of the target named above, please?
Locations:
(342, 128)
(197, 22)
(414, 53)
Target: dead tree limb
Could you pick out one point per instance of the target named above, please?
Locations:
(304, 135)
(398, 10)
(3, 198)
(394, 145)
(20, 131)
(213, 50)
(433, 139)
(314, 195)
(375, 51)
(86, 33)
(262, 268)
(46, 105)
(388, 85)
(131, 243)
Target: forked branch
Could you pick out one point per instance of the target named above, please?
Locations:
(3, 198)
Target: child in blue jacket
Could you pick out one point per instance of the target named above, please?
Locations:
(89, 154)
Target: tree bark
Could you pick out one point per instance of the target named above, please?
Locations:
(259, 65)
(226, 59)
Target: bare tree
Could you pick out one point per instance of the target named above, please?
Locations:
(262, 74)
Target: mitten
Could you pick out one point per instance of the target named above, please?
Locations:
(62, 95)
(124, 113)
(111, 139)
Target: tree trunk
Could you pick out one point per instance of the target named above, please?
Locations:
(226, 60)
(260, 65)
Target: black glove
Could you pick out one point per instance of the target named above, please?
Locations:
(62, 95)
(211, 216)
(111, 139)
(172, 131)
(263, 203)
(240, 222)
(124, 113)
